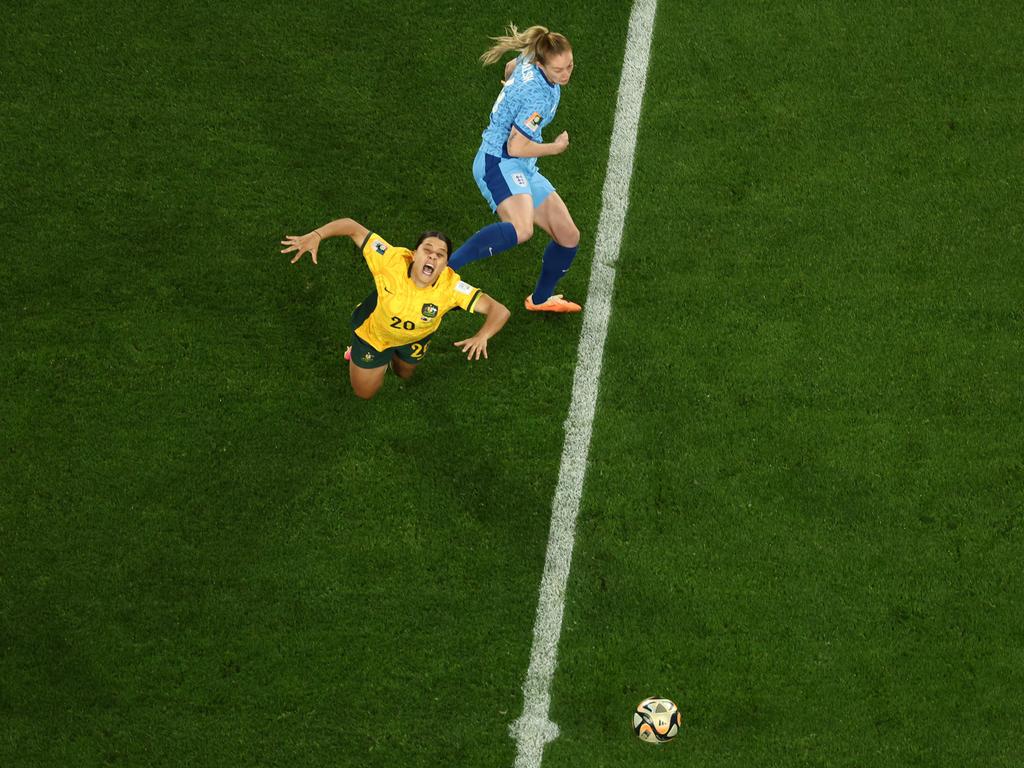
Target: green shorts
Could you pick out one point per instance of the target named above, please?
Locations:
(366, 356)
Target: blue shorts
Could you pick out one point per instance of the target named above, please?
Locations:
(500, 178)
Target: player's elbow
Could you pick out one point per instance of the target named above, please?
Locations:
(497, 313)
(518, 145)
(501, 313)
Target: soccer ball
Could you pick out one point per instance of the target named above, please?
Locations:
(656, 720)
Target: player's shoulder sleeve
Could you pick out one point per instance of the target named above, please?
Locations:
(529, 117)
(377, 251)
(463, 294)
(531, 104)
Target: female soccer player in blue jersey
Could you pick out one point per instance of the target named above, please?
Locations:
(505, 168)
(414, 289)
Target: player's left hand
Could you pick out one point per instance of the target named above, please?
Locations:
(474, 347)
(302, 243)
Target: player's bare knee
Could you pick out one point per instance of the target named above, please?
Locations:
(524, 231)
(365, 390)
(402, 369)
(568, 236)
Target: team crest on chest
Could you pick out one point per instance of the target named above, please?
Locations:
(428, 312)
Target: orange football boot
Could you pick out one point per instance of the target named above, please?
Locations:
(554, 303)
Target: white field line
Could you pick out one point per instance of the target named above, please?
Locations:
(533, 729)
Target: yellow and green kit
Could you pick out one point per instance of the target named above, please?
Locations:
(399, 316)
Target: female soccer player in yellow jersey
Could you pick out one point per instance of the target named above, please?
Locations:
(414, 289)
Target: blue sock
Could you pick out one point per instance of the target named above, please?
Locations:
(557, 259)
(492, 239)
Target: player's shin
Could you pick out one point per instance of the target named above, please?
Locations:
(557, 260)
(492, 239)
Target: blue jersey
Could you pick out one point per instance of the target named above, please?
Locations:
(529, 102)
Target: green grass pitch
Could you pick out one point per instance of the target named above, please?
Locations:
(803, 512)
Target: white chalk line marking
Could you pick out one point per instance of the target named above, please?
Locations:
(534, 729)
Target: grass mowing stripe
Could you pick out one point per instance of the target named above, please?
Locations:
(533, 729)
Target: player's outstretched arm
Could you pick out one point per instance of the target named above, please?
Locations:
(311, 240)
(497, 315)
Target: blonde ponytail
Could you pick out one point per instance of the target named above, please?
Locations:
(536, 43)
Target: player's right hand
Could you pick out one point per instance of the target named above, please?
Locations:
(561, 142)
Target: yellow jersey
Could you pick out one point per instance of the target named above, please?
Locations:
(405, 312)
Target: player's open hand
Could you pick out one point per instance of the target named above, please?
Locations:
(561, 142)
(302, 243)
(474, 347)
